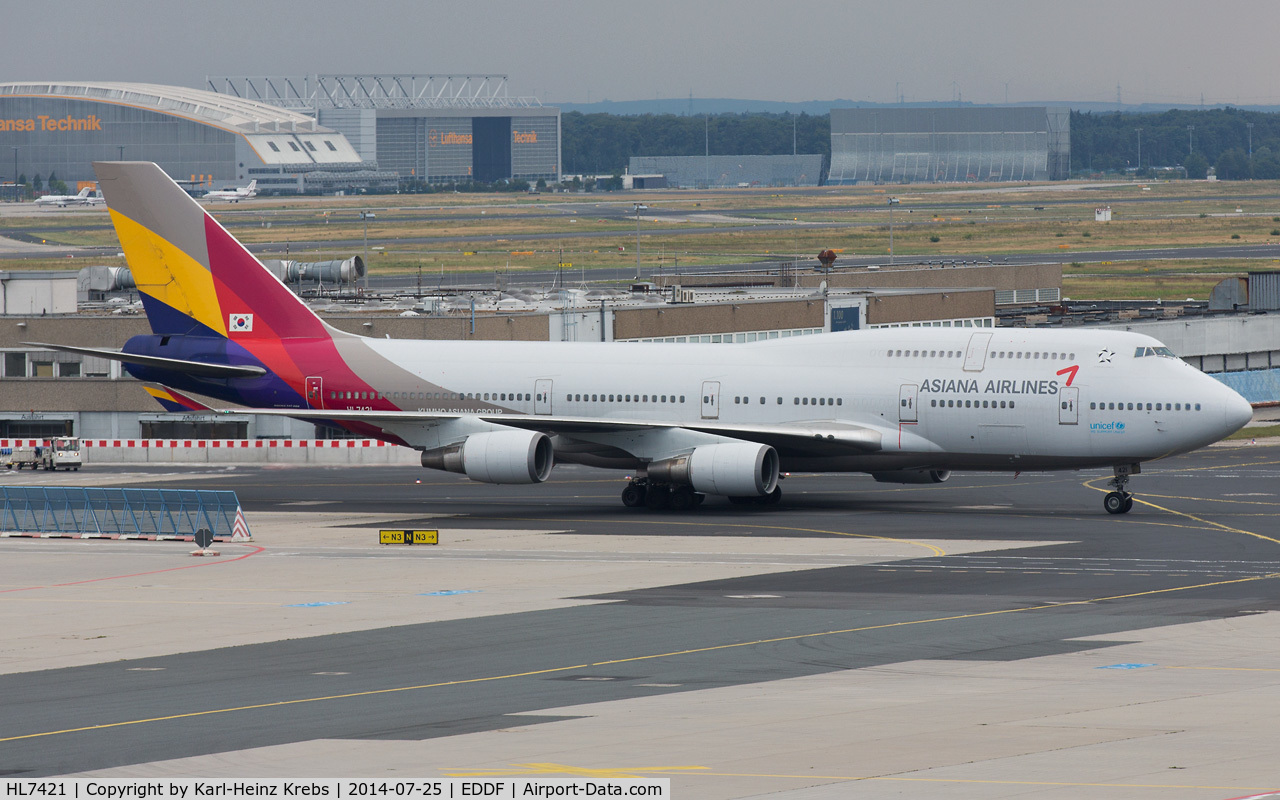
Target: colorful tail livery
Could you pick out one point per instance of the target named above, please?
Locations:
(222, 325)
(907, 405)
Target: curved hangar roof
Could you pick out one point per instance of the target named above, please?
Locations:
(277, 135)
(224, 111)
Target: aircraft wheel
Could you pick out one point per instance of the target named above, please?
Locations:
(1115, 503)
(698, 498)
(659, 498)
(772, 498)
(682, 499)
(633, 496)
(1128, 504)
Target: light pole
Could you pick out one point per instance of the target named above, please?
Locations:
(1190, 146)
(1139, 149)
(893, 201)
(17, 193)
(639, 207)
(1249, 125)
(366, 216)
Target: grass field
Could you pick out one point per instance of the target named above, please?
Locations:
(485, 233)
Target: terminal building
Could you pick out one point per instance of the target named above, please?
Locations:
(198, 137)
(935, 145)
(438, 129)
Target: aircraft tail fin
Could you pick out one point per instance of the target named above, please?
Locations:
(253, 184)
(194, 277)
(84, 193)
(174, 401)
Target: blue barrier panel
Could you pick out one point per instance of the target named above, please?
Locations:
(139, 512)
(1256, 385)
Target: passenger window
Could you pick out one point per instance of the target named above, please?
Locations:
(1197, 406)
(839, 401)
(806, 401)
(1002, 404)
(1010, 404)
(822, 401)
(933, 403)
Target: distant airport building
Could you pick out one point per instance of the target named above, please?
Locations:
(696, 172)
(198, 137)
(438, 129)
(918, 145)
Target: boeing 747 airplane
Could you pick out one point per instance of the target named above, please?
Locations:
(907, 405)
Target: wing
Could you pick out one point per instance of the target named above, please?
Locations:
(806, 438)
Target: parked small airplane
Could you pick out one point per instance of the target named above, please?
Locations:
(234, 195)
(84, 198)
(907, 405)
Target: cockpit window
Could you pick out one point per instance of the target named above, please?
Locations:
(1163, 352)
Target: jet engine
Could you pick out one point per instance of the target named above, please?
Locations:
(510, 456)
(912, 476)
(741, 469)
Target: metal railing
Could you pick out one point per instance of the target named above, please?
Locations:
(127, 513)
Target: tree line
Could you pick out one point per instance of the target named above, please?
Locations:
(1237, 144)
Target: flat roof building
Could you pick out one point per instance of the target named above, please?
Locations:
(721, 172)
(917, 145)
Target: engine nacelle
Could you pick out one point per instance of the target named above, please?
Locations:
(912, 476)
(497, 457)
(735, 468)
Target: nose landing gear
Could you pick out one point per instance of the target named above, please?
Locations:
(1120, 501)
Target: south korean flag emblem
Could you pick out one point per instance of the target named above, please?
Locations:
(240, 323)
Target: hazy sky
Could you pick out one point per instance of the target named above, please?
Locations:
(1160, 51)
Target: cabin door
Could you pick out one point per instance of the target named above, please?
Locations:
(975, 358)
(315, 392)
(711, 399)
(542, 396)
(1068, 399)
(907, 402)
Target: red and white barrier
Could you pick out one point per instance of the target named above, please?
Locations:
(231, 451)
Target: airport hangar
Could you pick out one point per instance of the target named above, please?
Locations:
(197, 137)
(44, 393)
(436, 129)
(933, 145)
(316, 134)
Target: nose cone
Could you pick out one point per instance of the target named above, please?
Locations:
(1236, 412)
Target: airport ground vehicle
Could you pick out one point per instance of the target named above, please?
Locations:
(62, 452)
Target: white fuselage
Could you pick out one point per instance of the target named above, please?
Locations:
(954, 398)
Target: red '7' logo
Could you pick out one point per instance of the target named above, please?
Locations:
(1070, 372)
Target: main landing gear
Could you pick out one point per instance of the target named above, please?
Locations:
(1120, 501)
(666, 496)
(660, 496)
